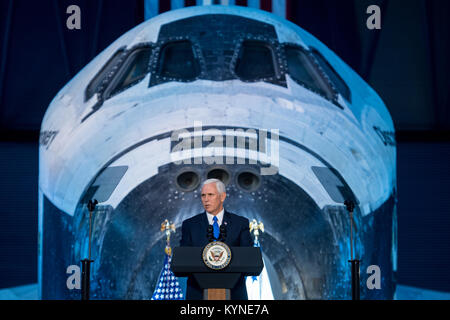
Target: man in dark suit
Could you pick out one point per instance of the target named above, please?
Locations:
(194, 233)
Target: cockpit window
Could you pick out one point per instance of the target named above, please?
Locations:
(178, 61)
(99, 80)
(255, 61)
(337, 81)
(302, 69)
(134, 69)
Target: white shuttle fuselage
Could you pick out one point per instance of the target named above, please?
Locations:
(228, 92)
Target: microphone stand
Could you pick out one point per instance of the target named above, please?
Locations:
(350, 205)
(222, 236)
(223, 233)
(86, 263)
(209, 233)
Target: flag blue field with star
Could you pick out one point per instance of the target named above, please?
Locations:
(167, 287)
(257, 245)
(258, 287)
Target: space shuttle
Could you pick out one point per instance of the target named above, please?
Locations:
(225, 92)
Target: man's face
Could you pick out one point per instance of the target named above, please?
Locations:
(212, 200)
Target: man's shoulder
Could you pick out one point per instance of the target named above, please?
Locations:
(194, 219)
(238, 218)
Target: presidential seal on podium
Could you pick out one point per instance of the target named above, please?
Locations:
(216, 255)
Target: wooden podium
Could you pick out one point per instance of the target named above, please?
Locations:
(216, 284)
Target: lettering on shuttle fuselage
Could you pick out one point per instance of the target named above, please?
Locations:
(46, 138)
(388, 137)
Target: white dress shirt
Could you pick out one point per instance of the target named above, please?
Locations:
(219, 217)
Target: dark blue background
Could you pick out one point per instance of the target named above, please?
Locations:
(406, 62)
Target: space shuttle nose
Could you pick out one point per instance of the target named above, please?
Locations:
(290, 146)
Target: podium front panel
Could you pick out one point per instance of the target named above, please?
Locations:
(244, 260)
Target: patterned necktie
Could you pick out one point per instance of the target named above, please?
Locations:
(216, 228)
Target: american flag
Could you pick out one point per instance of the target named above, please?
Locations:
(258, 287)
(281, 8)
(167, 287)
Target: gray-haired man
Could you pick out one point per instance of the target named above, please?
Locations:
(193, 233)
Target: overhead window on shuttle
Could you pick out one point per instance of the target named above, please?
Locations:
(255, 61)
(178, 61)
(134, 69)
(337, 81)
(302, 69)
(98, 82)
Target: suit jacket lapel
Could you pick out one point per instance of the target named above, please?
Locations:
(226, 219)
(228, 225)
(204, 221)
(204, 225)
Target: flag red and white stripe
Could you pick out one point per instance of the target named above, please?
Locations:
(281, 8)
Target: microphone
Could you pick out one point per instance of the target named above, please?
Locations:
(209, 233)
(350, 205)
(223, 232)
